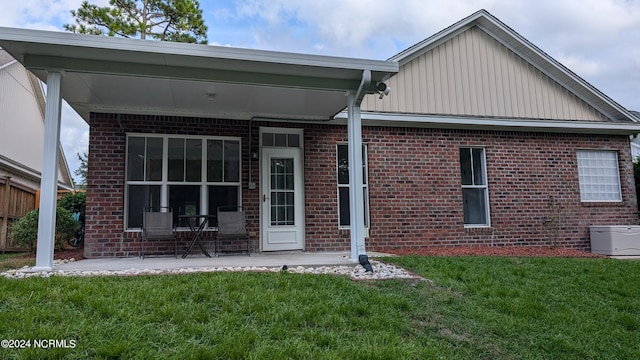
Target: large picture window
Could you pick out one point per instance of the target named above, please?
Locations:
(598, 175)
(475, 192)
(343, 185)
(192, 175)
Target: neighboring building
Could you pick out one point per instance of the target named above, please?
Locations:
(635, 142)
(481, 141)
(22, 105)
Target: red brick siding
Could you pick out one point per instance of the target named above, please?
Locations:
(414, 184)
(416, 199)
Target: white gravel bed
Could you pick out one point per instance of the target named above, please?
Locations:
(357, 272)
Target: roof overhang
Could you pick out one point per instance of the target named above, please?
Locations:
(498, 124)
(117, 75)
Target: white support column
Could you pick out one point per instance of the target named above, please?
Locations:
(49, 181)
(356, 196)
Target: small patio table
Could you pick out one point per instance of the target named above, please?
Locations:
(197, 224)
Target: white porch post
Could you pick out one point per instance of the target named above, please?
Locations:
(356, 196)
(49, 180)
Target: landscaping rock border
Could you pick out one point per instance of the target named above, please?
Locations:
(381, 271)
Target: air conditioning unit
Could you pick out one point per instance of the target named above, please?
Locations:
(615, 240)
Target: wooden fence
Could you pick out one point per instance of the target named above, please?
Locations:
(15, 201)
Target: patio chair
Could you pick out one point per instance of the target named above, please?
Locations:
(232, 225)
(157, 224)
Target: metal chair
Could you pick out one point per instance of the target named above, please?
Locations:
(232, 225)
(158, 225)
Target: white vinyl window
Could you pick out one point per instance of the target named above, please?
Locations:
(343, 186)
(475, 192)
(598, 175)
(192, 175)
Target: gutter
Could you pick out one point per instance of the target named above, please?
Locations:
(500, 124)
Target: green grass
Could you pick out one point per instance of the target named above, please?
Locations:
(493, 308)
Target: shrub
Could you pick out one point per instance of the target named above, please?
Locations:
(25, 231)
(73, 202)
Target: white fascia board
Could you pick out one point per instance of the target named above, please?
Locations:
(528, 125)
(80, 42)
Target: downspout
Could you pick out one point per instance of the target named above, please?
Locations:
(356, 197)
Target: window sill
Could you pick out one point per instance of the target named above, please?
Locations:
(478, 230)
(601, 203)
(477, 226)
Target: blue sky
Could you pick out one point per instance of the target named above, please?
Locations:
(597, 39)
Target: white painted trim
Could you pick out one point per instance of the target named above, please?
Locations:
(164, 183)
(506, 124)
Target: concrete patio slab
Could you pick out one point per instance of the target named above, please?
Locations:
(255, 260)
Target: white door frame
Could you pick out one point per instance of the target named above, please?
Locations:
(281, 237)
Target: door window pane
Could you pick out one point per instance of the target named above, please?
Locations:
(282, 192)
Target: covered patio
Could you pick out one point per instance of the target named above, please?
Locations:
(123, 76)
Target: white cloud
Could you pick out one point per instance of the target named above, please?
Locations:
(591, 37)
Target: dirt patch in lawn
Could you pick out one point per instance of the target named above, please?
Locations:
(66, 254)
(512, 251)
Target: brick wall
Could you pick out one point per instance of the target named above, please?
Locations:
(416, 198)
(414, 184)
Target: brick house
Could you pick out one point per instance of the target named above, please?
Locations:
(484, 139)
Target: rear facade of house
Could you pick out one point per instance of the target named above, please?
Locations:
(477, 144)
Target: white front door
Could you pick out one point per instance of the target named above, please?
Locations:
(282, 199)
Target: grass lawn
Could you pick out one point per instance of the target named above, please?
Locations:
(494, 308)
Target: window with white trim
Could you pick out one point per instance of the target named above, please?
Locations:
(343, 185)
(475, 192)
(192, 175)
(598, 175)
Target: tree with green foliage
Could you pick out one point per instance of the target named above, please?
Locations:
(81, 171)
(164, 20)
